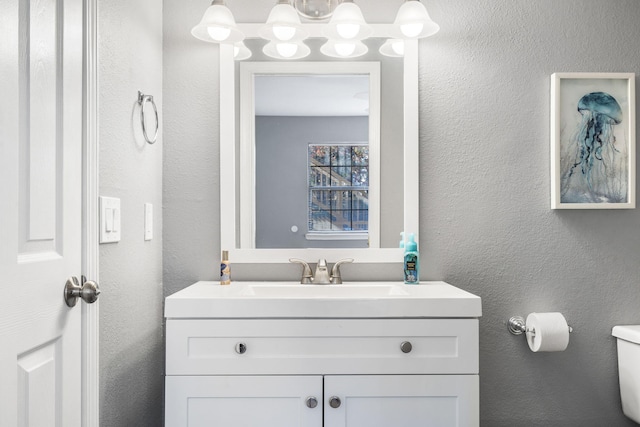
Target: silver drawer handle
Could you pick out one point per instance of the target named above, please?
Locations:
(312, 402)
(335, 402)
(241, 348)
(406, 347)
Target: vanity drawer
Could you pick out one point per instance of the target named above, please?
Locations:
(321, 346)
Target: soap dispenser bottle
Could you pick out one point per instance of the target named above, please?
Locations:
(411, 261)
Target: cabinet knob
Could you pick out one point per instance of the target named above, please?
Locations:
(312, 402)
(241, 348)
(406, 347)
(335, 402)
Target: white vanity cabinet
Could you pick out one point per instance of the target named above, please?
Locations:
(320, 371)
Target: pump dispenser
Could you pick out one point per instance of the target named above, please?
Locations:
(411, 261)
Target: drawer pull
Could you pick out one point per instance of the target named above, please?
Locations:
(312, 402)
(335, 402)
(406, 347)
(241, 348)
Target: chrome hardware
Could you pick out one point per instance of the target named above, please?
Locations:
(334, 402)
(406, 347)
(321, 276)
(312, 402)
(516, 325)
(306, 270)
(335, 271)
(143, 99)
(241, 348)
(88, 291)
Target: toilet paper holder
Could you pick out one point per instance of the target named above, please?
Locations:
(518, 326)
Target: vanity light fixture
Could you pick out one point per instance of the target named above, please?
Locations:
(217, 25)
(393, 48)
(413, 22)
(344, 31)
(347, 23)
(283, 24)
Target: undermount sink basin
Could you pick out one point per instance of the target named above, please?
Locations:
(348, 300)
(324, 291)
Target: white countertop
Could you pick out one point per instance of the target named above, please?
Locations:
(349, 300)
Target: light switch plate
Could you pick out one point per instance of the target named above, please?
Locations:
(148, 221)
(109, 219)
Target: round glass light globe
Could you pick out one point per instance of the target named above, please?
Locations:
(348, 31)
(283, 32)
(218, 33)
(287, 50)
(412, 29)
(345, 49)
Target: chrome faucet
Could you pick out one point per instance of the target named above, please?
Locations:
(321, 276)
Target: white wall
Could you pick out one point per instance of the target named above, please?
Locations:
(131, 338)
(485, 224)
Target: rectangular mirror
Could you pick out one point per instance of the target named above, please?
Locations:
(312, 132)
(319, 157)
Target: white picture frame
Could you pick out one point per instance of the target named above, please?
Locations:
(593, 141)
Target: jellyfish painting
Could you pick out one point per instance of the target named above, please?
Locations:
(593, 165)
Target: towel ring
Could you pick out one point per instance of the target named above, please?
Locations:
(143, 99)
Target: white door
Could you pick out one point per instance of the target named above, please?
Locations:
(243, 401)
(401, 401)
(40, 210)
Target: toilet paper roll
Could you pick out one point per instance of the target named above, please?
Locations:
(547, 332)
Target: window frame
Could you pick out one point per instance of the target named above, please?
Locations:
(331, 234)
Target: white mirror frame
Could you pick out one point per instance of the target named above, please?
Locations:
(230, 196)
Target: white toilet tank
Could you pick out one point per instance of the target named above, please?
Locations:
(629, 368)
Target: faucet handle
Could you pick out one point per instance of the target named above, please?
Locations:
(306, 270)
(335, 271)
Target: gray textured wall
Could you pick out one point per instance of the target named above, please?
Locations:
(282, 147)
(486, 225)
(131, 338)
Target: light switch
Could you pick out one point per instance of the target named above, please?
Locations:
(148, 221)
(109, 219)
(116, 220)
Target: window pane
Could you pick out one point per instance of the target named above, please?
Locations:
(319, 176)
(360, 220)
(360, 176)
(341, 177)
(360, 200)
(341, 155)
(320, 221)
(360, 155)
(320, 155)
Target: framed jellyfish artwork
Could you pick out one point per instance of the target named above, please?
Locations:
(593, 141)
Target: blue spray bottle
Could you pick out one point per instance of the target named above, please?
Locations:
(411, 261)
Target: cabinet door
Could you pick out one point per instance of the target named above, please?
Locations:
(242, 401)
(402, 401)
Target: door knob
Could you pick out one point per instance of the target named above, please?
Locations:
(406, 347)
(335, 402)
(88, 291)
